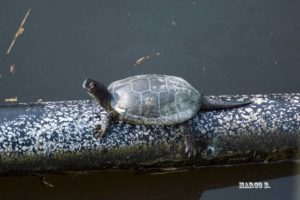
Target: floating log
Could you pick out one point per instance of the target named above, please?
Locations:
(58, 136)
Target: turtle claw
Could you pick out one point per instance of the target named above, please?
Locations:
(98, 131)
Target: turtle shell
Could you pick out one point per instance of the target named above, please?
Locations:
(154, 99)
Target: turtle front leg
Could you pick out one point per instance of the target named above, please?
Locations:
(100, 130)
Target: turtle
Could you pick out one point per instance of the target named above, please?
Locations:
(152, 99)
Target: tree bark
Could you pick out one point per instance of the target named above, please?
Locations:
(58, 136)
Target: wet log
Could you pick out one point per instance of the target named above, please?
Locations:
(58, 136)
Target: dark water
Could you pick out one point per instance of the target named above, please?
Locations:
(221, 47)
(206, 183)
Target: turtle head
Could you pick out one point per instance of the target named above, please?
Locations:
(98, 91)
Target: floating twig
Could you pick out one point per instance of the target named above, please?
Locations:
(141, 60)
(42, 178)
(144, 58)
(19, 31)
(13, 99)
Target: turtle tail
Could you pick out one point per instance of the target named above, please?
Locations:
(214, 104)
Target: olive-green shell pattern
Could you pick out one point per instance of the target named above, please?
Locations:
(154, 99)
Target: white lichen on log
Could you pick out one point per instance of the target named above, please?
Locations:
(58, 136)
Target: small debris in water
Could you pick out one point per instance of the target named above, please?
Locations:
(141, 60)
(173, 22)
(42, 178)
(19, 31)
(275, 62)
(13, 99)
(144, 58)
(12, 68)
(169, 170)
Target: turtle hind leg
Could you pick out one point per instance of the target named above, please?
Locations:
(101, 129)
(188, 139)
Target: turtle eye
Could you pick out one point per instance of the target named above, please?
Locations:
(91, 85)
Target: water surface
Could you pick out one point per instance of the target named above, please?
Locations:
(220, 47)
